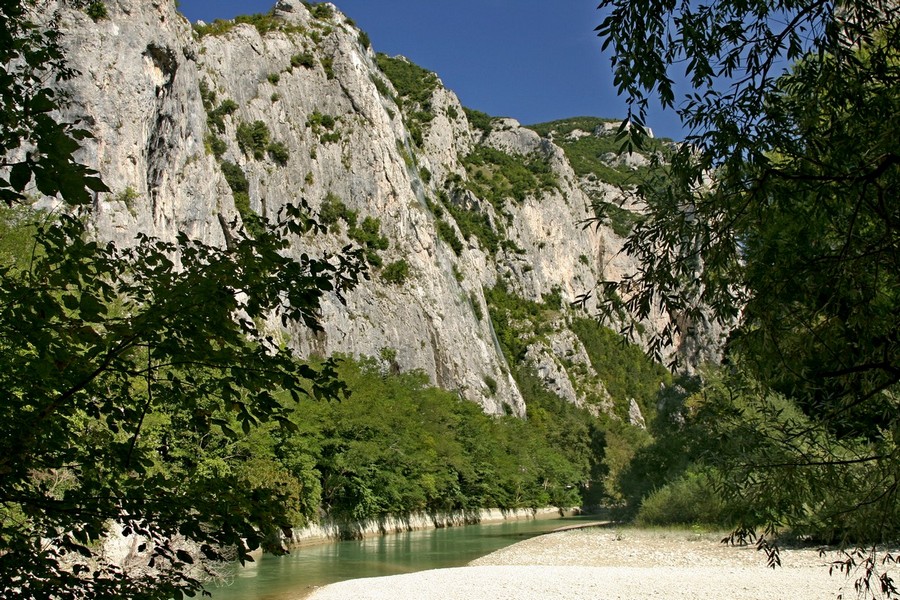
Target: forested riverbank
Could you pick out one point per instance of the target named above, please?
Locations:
(393, 445)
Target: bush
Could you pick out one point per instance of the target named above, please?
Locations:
(240, 188)
(273, 78)
(253, 138)
(252, 221)
(396, 272)
(235, 177)
(368, 235)
(382, 87)
(584, 154)
(263, 22)
(690, 500)
(227, 107)
(279, 153)
(364, 40)
(318, 121)
(619, 219)
(96, 11)
(215, 117)
(324, 127)
(322, 11)
(217, 27)
(333, 210)
(625, 369)
(328, 65)
(448, 235)
(476, 223)
(215, 145)
(304, 59)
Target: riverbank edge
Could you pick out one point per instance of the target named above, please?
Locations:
(329, 530)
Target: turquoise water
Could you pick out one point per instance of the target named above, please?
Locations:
(294, 575)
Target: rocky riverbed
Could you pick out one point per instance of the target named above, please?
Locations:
(616, 564)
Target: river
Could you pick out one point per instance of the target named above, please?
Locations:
(295, 575)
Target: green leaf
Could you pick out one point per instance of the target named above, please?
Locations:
(20, 175)
(91, 308)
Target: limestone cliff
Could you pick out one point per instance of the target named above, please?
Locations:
(298, 104)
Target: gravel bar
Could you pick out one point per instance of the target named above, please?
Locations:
(610, 564)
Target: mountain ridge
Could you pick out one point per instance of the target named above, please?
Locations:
(196, 125)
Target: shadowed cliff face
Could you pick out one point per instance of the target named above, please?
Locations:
(198, 125)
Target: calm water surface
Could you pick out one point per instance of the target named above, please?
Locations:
(292, 576)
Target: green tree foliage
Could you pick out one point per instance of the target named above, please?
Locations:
(779, 215)
(334, 210)
(596, 449)
(688, 500)
(115, 341)
(447, 234)
(473, 222)
(321, 11)
(625, 370)
(366, 233)
(127, 382)
(215, 145)
(303, 59)
(364, 40)
(621, 368)
(240, 187)
(325, 126)
(588, 156)
(396, 445)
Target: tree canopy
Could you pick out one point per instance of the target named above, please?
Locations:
(779, 217)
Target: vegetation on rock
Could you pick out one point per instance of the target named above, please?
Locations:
(263, 22)
(415, 87)
(495, 175)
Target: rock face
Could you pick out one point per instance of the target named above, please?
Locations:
(167, 105)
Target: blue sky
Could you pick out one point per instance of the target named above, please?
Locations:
(532, 60)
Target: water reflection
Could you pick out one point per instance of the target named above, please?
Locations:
(295, 575)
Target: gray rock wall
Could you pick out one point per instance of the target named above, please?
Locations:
(139, 93)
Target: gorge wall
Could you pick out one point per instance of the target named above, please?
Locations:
(174, 108)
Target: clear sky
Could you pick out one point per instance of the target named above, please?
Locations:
(533, 60)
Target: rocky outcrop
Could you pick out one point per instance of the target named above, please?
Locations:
(329, 530)
(167, 104)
